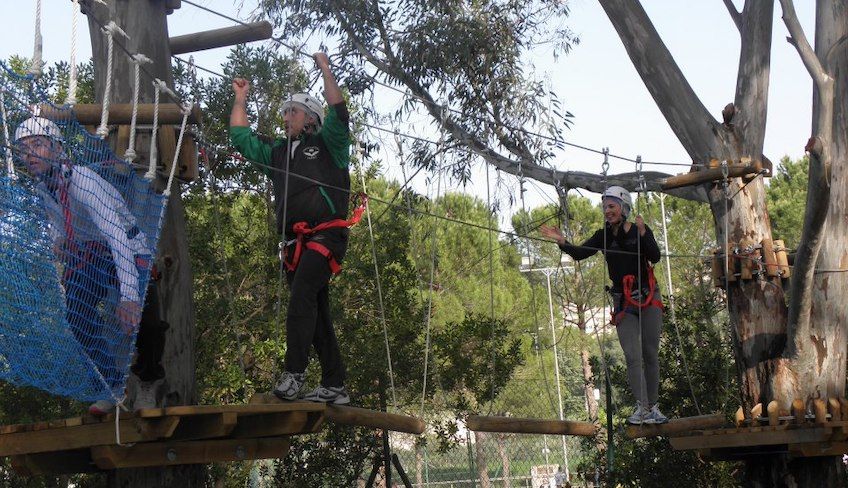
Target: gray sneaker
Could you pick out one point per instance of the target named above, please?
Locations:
(332, 394)
(289, 386)
(654, 416)
(145, 396)
(639, 415)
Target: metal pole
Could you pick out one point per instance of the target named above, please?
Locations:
(548, 273)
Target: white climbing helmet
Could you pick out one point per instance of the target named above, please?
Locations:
(309, 103)
(37, 126)
(621, 194)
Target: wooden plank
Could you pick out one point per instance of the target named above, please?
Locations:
(122, 142)
(188, 170)
(196, 452)
(817, 449)
(362, 417)
(54, 463)
(676, 426)
(706, 176)
(205, 426)
(132, 430)
(227, 36)
(167, 139)
(530, 426)
(744, 439)
(277, 424)
(121, 114)
(252, 408)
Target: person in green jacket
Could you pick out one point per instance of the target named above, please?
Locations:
(308, 168)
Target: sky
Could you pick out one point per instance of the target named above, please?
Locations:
(595, 81)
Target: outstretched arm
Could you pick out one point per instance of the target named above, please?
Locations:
(238, 115)
(332, 92)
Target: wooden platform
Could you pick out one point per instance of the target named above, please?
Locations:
(179, 435)
(797, 440)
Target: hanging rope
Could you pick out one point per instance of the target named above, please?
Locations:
(37, 63)
(72, 77)
(137, 60)
(671, 306)
(359, 149)
(110, 30)
(186, 110)
(434, 230)
(10, 162)
(159, 86)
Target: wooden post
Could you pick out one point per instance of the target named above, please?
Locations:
(773, 413)
(706, 176)
(770, 258)
(739, 418)
(718, 270)
(228, 36)
(146, 26)
(121, 113)
(820, 410)
(799, 411)
(731, 262)
(782, 260)
(834, 409)
(746, 263)
(530, 426)
(843, 407)
(756, 412)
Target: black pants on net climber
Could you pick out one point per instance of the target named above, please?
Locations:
(309, 322)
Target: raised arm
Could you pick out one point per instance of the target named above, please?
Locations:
(241, 135)
(238, 115)
(332, 92)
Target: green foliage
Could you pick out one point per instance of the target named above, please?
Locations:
(787, 200)
(54, 79)
(468, 56)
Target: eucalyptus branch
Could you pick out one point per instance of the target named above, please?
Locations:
(734, 14)
(799, 40)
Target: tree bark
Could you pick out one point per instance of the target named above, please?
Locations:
(145, 23)
(505, 464)
(757, 308)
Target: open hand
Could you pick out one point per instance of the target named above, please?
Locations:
(552, 233)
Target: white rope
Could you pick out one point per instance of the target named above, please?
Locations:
(72, 77)
(158, 85)
(110, 30)
(37, 63)
(10, 163)
(186, 111)
(377, 277)
(137, 60)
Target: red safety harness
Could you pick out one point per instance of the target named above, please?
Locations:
(630, 304)
(303, 232)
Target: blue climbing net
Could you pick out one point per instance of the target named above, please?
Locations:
(78, 231)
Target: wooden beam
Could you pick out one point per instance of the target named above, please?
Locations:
(276, 424)
(132, 430)
(362, 417)
(205, 426)
(252, 408)
(121, 113)
(227, 36)
(707, 176)
(676, 426)
(758, 436)
(54, 463)
(530, 426)
(196, 452)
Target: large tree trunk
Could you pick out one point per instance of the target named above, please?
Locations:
(814, 363)
(145, 23)
(480, 459)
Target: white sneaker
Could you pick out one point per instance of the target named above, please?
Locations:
(145, 396)
(334, 395)
(639, 415)
(101, 408)
(290, 386)
(654, 416)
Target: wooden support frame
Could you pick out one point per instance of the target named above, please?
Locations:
(530, 426)
(227, 36)
(195, 452)
(709, 175)
(121, 113)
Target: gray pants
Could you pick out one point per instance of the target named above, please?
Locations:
(642, 353)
